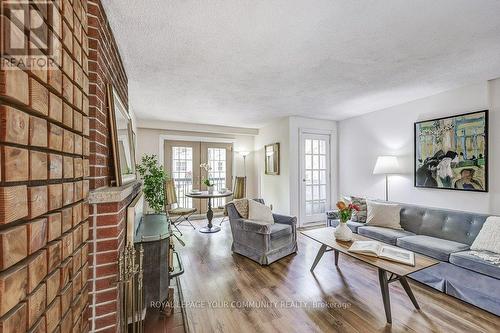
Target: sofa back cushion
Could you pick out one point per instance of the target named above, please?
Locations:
(453, 225)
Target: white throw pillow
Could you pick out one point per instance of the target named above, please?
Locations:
(383, 215)
(259, 212)
(488, 238)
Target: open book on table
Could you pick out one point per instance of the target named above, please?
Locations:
(377, 249)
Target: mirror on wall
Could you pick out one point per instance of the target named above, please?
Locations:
(272, 154)
(123, 142)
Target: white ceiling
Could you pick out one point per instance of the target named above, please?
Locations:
(246, 62)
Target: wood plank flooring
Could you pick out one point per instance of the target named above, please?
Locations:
(225, 292)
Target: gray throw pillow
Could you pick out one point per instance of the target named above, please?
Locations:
(363, 210)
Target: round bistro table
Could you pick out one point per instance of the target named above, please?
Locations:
(210, 214)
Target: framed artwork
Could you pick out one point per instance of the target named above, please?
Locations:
(272, 155)
(123, 142)
(452, 152)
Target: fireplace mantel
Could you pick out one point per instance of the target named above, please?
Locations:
(114, 194)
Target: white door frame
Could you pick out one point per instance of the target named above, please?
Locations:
(330, 186)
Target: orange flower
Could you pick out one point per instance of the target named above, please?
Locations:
(341, 205)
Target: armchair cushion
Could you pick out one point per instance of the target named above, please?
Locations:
(254, 226)
(280, 230)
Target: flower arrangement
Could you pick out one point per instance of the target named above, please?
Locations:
(207, 168)
(345, 210)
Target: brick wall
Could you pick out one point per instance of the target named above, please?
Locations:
(108, 211)
(44, 165)
(105, 66)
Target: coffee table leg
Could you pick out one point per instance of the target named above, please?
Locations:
(406, 287)
(210, 214)
(336, 257)
(384, 288)
(321, 251)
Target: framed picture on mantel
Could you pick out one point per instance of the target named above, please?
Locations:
(452, 152)
(272, 155)
(122, 140)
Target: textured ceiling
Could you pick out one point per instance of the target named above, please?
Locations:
(246, 62)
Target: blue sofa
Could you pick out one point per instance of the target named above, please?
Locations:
(445, 235)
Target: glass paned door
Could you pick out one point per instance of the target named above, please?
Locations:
(182, 161)
(219, 156)
(315, 182)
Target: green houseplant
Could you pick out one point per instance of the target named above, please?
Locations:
(154, 178)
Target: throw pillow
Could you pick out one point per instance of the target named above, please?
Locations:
(259, 212)
(361, 215)
(383, 215)
(241, 206)
(488, 238)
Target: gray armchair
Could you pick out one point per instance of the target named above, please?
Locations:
(263, 243)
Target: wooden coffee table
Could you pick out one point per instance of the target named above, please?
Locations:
(397, 271)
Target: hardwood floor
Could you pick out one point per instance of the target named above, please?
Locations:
(219, 288)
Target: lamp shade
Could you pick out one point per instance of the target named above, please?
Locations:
(386, 165)
(244, 153)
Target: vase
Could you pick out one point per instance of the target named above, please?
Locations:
(343, 232)
(211, 189)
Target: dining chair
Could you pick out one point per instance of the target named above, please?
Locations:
(181, 214)
(240, 190)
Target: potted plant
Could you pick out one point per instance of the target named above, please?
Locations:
(154, 178)
(206, 181)
(342, 231)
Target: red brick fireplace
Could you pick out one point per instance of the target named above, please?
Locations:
(107, 204)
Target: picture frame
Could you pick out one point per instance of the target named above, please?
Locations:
(272, 159)
(451, 152)
(122, 139)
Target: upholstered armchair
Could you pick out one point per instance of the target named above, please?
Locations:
(263, 243)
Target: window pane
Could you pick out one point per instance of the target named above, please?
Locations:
(315, 162)
(322, 147)
(308, 146)
(308, 192)
(308, 162)
(315, 177)
(322, 191)
(322, 177)
(322, 162)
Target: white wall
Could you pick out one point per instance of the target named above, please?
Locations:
(148, 142)
(274, 189)
(390, 132)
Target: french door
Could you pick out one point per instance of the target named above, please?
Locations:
(182, 163)
(315, 173)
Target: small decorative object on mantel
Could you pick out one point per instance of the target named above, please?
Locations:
(209, 184)
(342, 231)
(154, 178)
(452, 152)
(272, 162)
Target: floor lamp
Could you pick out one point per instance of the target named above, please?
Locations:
(386, 165)
(244, 154)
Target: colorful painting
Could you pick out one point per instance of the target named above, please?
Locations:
(452, 153)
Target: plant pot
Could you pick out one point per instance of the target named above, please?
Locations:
(211, 189)
(343, 232)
